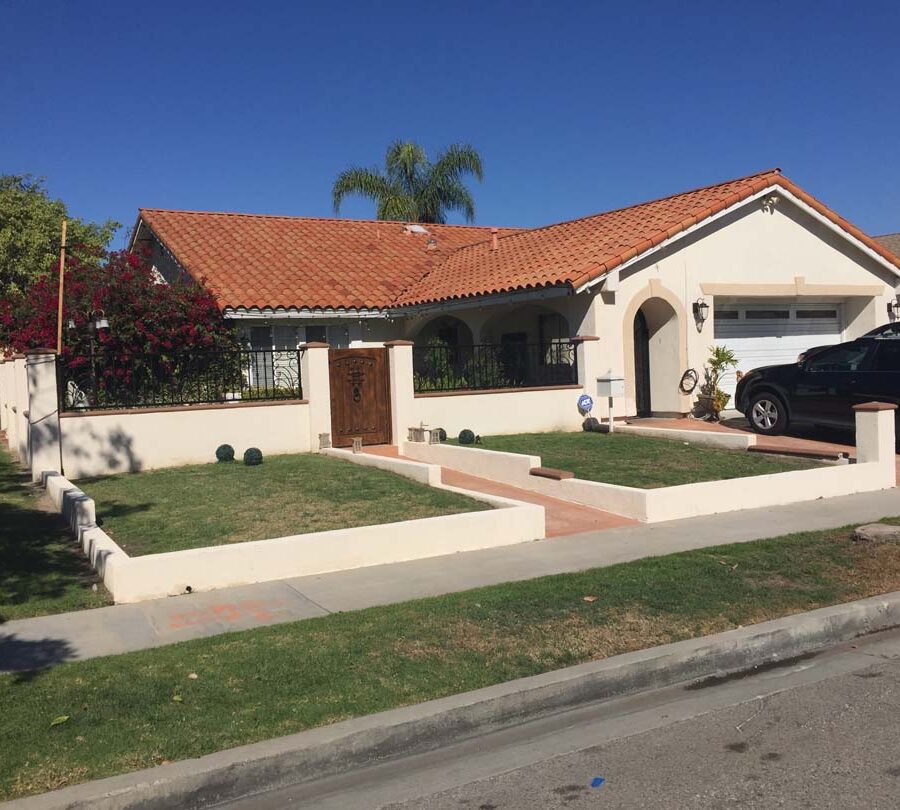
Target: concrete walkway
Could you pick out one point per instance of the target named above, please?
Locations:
(34, 643)
(561, 518)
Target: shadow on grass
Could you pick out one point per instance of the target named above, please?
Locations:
(39, 561)
(28, 659)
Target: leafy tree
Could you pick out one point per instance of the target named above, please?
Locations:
(411, 188)
(156, 331)
(30, 230)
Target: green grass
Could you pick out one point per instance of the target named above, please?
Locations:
(212, 504)
(141, 709)
(639, 461)
(42, 569)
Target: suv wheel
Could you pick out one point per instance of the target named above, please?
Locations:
(767, 414)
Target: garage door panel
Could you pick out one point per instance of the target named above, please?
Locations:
(759, 341)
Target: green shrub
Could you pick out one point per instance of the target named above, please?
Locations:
(466, 437)
(253, 456)
(224, 452)
(442, 434)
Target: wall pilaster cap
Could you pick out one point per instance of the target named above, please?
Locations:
(392, 344)
(315, 344)
(39, 351)
(582, 339)
(17, 357)
(865, 407)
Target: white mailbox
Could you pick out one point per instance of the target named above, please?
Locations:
(610, 386)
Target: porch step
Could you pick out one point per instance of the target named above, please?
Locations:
(827, 455)
(549, 472)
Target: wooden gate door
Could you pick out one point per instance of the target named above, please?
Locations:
(360, 396)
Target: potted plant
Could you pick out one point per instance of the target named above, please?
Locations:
(712, 400)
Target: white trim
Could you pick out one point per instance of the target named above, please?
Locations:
(479, 300)
(775, 187)
(255, 313)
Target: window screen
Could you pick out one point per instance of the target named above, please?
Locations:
(830, 314)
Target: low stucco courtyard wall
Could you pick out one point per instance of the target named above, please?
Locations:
(103, 443)
(526, 410)
(875, 470)
(133, 579)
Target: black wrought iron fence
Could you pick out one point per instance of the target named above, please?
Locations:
(107, 380)
(509, 365)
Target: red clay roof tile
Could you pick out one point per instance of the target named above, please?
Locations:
(294, 262)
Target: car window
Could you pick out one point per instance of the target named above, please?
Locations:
(888, 357)
(848, 357)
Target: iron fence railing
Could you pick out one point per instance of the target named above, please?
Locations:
(506, 365)
(106, 380)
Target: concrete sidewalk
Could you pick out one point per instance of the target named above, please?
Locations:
(34, 643)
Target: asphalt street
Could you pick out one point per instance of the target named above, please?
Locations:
(821, 732)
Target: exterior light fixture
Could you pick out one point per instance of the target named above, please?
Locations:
(893, 309)
(100, 321)
(701, 312)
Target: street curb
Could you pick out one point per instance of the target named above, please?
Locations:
(356, 743)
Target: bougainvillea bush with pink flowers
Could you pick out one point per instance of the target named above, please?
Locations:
(155, 329)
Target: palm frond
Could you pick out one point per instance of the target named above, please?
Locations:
(458, 160)
(405, 163)
(455, 196)
(369, 183)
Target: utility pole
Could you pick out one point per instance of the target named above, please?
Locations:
(62, 284)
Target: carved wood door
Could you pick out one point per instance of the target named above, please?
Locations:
(360, 396)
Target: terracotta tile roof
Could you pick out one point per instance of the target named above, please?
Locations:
(250, 260)
(295, 262)
(891, 241)
(576, 252)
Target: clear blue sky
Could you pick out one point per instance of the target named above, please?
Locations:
(575, 107)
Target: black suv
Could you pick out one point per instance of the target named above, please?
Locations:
(823, 386)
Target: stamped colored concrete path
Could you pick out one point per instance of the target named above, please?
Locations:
(35, 643)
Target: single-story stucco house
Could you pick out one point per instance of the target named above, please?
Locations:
(756, 263)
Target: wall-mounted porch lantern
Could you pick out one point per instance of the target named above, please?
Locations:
(701, 313)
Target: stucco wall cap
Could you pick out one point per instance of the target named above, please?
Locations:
(390, 344)
(582, 339)
(30, 352)
(17, 356)
(875, 406)
(315, 345)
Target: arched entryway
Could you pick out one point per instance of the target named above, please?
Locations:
(657, 358)
(642, 395)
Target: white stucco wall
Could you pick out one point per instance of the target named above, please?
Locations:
(761, 250)
(520, 411)
(104, 443)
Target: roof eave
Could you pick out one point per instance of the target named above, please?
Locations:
(596, 274)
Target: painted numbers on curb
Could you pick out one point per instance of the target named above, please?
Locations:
(261, 611)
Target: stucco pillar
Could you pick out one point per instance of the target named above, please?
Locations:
(587, 355)
(4, 393)
(875, 439)
(43, 444)
(400, 362)
(316, 389)
(18, 426)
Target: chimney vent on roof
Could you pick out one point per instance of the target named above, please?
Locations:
(431, 244)
(493, 238)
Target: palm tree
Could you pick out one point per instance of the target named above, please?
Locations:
(411, 188)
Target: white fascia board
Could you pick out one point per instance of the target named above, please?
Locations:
(476, 301)
(774, 188)
(242, 314)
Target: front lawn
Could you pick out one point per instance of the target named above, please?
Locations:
(42, 569)
(639, 461)
(95, 718)
(213, 504)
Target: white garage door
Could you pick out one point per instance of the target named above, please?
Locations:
(767, 334)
